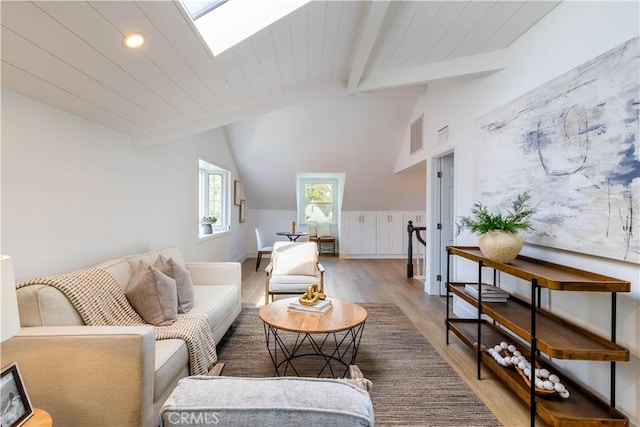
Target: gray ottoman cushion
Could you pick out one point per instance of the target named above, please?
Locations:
(283, 401)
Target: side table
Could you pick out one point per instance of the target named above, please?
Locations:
(40, 418)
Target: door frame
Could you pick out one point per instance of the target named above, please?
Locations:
(436, 252)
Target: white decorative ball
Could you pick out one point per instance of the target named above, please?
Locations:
(544, 373)
(559, 387)
(497, 348)
(548, 385)
(554, 378)
(527, 372)
(539, 383)
(504, 345)
(517, 353)
(515, 360)
(522, 366)
(511, 348)
(564, 394)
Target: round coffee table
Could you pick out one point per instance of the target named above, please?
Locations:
(332, 337)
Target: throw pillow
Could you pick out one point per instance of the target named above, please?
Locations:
(184, 283)
(324, 229)
(153, 295)
(293, 264)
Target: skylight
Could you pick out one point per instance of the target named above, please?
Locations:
(198, 8)
(225, 23)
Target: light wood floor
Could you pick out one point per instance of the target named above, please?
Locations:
(385, 281)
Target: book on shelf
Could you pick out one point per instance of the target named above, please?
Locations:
(490, 293)
(321, 306)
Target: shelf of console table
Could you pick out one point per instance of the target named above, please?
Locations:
(582, 408)
(547, 274)
(557, 337)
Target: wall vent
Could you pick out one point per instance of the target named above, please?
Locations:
(416, 135)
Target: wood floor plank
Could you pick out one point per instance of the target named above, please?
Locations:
(385, 281)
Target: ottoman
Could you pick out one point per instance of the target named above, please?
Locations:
(281, 401)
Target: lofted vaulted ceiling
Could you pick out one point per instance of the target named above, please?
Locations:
(69, 54)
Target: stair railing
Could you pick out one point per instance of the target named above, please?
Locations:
(410, 230)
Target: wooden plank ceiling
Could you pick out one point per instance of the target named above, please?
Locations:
(69, 54)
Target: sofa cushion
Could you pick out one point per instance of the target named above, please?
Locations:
(153, 295)
(218, 303)
(43, 305)
(120, 269)
(171, 364)
(184, 284)
(282, 401)
(294, 283)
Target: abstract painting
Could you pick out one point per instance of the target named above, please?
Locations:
(573, 143)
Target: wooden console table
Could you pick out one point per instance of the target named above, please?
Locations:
(545, 332)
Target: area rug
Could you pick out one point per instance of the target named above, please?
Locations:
(412, 384)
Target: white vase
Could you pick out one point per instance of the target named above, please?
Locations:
(500, 246)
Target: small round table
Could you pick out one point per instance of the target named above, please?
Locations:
(333, 337)
(40, 418)
(292, 236)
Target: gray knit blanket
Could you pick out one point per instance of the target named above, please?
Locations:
(100, 301)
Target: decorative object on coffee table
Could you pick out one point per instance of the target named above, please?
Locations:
(498, 239)
(312, 295)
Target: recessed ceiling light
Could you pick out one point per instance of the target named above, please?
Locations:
(133, 40)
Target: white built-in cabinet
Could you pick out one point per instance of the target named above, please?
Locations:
(376, 233)
(390, 236)
(359, 233)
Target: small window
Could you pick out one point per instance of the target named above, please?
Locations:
(214, 199)
(317, 200)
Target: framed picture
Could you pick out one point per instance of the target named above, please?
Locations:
(237, 192)
(16, 407)
(243, 210)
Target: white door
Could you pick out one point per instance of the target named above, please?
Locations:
(446, 222)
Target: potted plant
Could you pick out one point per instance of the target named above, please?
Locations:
(498, 240)
(205, 224)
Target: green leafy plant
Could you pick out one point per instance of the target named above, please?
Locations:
(209, 219)
(482, 220)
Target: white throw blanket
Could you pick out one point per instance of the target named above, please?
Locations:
(99, 300)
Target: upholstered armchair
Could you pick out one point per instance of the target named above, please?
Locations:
(293, 267)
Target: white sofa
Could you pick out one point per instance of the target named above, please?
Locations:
(111, 375)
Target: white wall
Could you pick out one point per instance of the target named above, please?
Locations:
(75, 193)
(356, 135)
(570, 35)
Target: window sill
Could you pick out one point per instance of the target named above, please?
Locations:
(205, 237)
